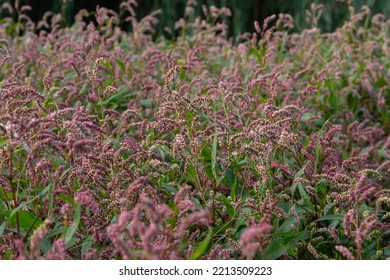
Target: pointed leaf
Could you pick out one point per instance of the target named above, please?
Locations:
(70, 231)
(198, 252)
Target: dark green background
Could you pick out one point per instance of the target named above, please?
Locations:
(244, 11)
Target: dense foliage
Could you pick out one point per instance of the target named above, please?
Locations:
(117, 146)
(244, 12)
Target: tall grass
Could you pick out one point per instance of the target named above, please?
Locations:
(114, 145)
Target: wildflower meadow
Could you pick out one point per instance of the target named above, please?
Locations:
(116, 144)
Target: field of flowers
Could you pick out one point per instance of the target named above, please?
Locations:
(120, 145)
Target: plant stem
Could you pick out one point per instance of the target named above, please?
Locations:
(11, 182)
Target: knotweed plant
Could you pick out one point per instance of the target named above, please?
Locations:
(118, 145)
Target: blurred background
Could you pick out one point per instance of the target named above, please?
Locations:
(244, 12)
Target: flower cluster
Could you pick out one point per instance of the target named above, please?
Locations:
(117, 145)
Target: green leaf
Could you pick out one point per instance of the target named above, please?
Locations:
(386, 252)
(169, 188)
(229, 207)
(198, 204)
(56, 231)
(321, 186)
(107, 64)
(146, 103)
(383, 154)
(182, 73)
(339, 217)
(298, 175)
(305, 117)
(328, 207)
(25, 203)
(277, 247)
(72, 229)
(44, 245)
(304, 195)
(122, 66)
(4, 143)
(2, 228)
(56, 158)
(334, 223)
(51, 197)
(222, 228)
(234, 189)
(87, 244)
(214, 154)
(258, 56)
(121, 95)
(5, 197)
(66, 198)
(26, 220)
(198, 252)
(286, 226)
(10, 29)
